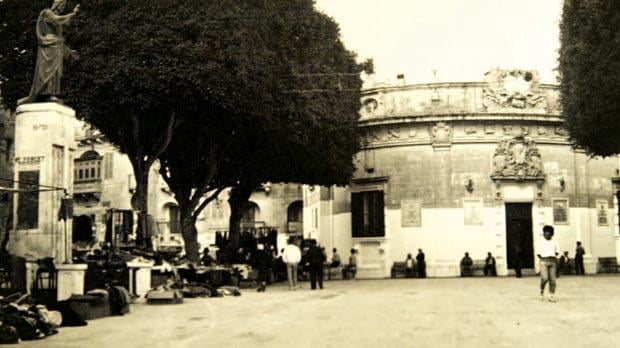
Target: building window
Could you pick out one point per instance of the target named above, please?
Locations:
(174, 219)
(295, 217)
(249, 213)
(88, 167)
(367, 214)
(108, 162)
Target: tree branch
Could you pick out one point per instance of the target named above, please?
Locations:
(207, 200)
(165, 141)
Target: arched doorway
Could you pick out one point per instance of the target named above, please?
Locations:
(174, 222)
(295, 217)
(82, 229)
(250, 214)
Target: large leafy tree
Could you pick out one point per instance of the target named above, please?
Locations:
(590, 74)
(144, 67)
(301, 128)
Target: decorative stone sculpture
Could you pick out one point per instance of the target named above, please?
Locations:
(441, 133)
(517, 158)
(51, 52)
(518, 89)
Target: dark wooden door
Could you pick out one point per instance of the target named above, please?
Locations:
(519, 236)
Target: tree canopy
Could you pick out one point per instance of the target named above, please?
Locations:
(221, 91)
(590, 74)
(302, 127)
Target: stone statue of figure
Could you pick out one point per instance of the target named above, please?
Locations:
(50, 54)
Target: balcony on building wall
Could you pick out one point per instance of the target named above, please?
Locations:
(87, 186)
(87, 176)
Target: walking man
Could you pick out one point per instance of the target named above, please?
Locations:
(316, 260)
(547, 254)
(579, 252)
(291, 256)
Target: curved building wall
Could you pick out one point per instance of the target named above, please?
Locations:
(454, 161)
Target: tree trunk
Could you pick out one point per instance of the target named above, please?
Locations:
(190, 236)
(139, 203)
(239, 196)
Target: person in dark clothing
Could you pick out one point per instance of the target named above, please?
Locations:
(579, 252)
(264, 264)
(564, 264)
(467, 266)
(517, 261)
(421, 264)
(206, 260)
(335, 259)
(489, 266)
(316, 259)
(279, 267)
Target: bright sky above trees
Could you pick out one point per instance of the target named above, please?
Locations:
(462, 39)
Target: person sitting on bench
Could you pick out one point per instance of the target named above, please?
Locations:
(563, 265)
(489, 266)
(335, 259)
(467, 266)
(351, 268)
(409, 267)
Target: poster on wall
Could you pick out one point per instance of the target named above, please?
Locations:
(560, 211)
(411, 213)
(601, 212)
(472, 210)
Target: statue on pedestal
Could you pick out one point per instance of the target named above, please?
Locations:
(50, 54)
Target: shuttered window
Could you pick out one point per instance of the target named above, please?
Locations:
(367, 214)
(107, 165)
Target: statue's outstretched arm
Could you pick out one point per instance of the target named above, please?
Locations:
(62, 19)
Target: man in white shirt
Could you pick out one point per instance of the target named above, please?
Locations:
(547, 254)
(291, 256)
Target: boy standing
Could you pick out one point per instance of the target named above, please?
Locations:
(547, 254)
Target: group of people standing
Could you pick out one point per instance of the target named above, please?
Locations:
(564, 264)
(417, 267)
(315, 258)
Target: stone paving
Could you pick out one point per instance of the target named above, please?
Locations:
(471, 312)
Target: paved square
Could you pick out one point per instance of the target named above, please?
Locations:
(472, 312)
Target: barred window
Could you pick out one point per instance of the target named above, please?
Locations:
(367, 214)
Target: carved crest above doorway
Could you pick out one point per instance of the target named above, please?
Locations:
(518, 159)
(513, 89)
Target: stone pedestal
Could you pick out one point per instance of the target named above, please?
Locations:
(44, 146)
(590, 264)
(70, 280)
(139, 278)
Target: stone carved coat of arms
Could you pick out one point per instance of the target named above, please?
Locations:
(518, 89)
(517, 158)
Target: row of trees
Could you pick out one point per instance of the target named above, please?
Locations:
(224, 93)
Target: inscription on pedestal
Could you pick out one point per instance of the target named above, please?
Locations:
(28, 200)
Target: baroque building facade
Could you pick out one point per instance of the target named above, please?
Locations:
(467, 167)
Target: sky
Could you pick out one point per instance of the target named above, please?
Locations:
(460, 39)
